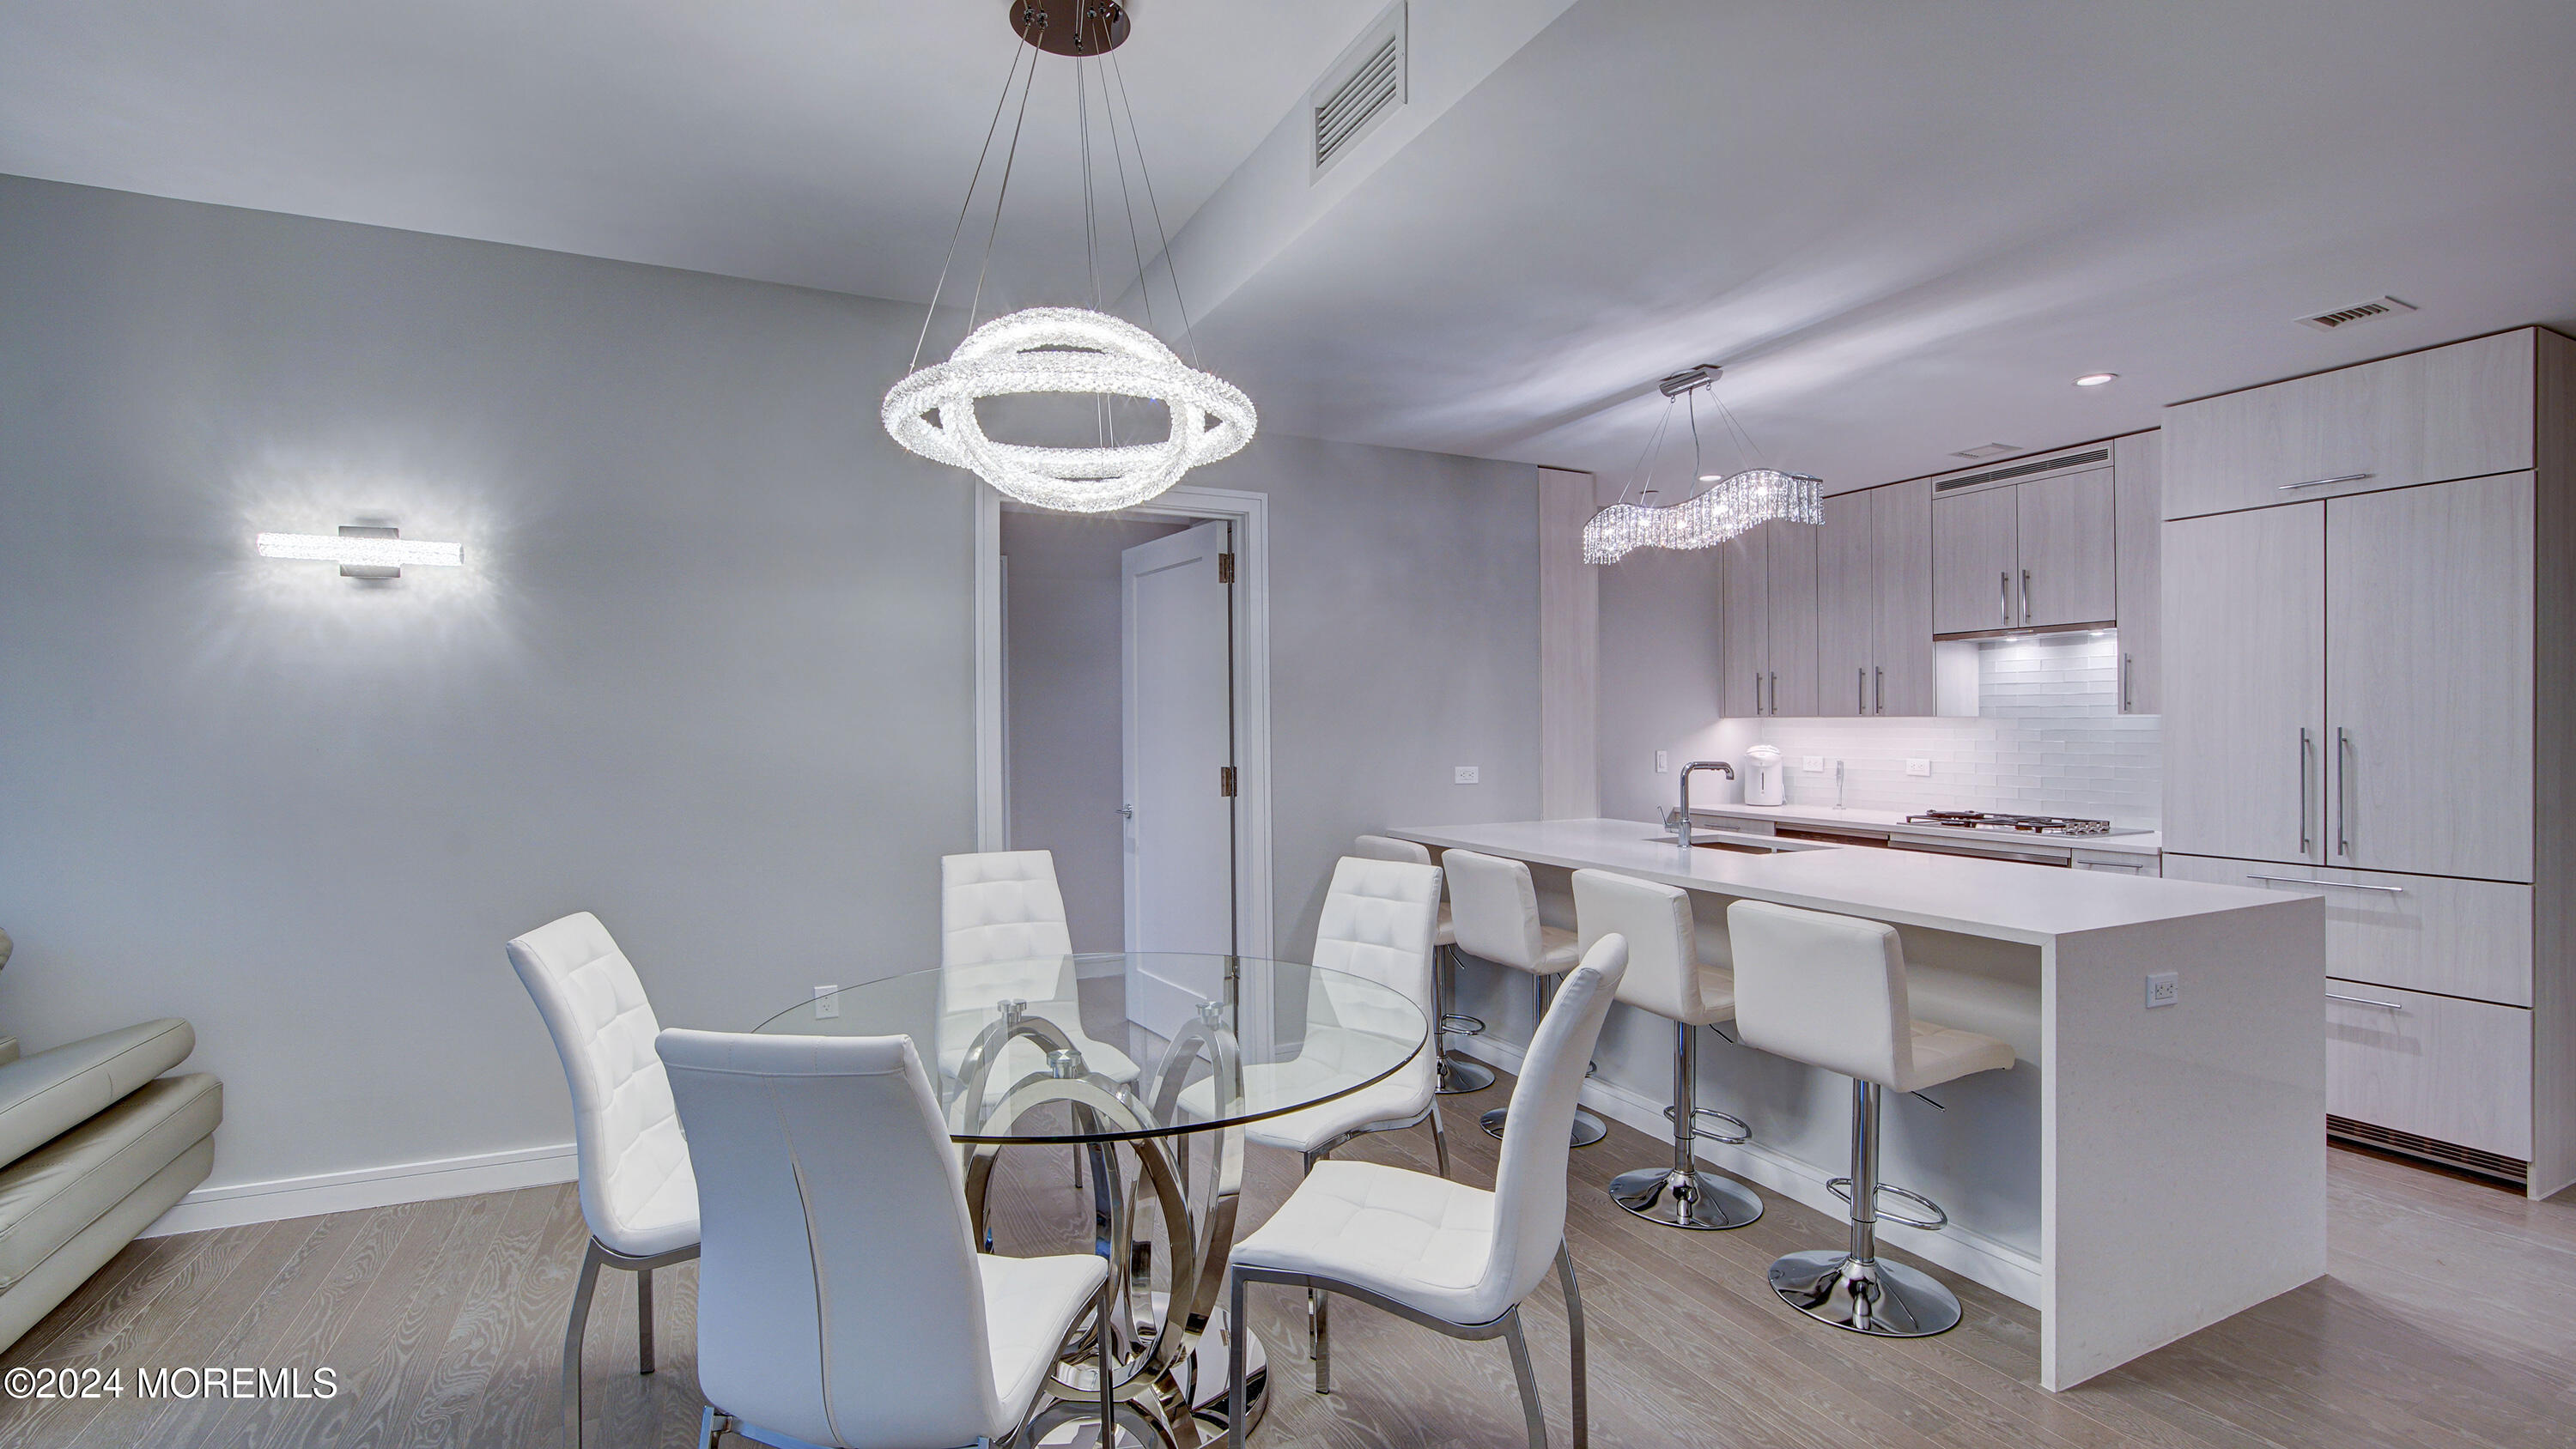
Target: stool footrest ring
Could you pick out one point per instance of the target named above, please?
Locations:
(1739, 1132)
(1459, 1023)
(1841, 1187)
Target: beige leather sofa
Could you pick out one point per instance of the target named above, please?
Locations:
(94, 1144)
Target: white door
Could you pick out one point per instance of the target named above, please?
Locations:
(1177, 673)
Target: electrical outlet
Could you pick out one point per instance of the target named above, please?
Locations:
(1815, 764)
(1663, 762)
(1918, 767)
(2164, 988)
(827, 1002)
(1465, 775)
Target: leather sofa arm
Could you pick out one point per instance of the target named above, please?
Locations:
(50, 1093)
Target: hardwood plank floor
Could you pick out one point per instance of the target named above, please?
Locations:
(2447, 1320)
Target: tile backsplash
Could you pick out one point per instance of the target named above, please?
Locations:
(2048, 739)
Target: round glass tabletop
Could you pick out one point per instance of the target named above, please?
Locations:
(1124, 1045)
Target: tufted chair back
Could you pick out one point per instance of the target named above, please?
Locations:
(1377, 924)
(636, 1187)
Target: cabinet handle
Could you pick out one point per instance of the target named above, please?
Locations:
(1775, 692)
(2025, 596)
(1757, 691)
(2341, 885)
(2307, 753)
(2366, 1001)
(2003, 596)
(2321, 482)
(2125, 702)
(1860, 690)
(1878, 689)
(2343, 792)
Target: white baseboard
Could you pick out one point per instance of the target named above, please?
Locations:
(1964, 1251)
(365, 1187)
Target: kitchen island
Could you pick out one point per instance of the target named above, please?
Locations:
(2140, 1172)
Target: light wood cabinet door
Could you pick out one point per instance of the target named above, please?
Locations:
(1901, 681)
(2452, 1070)
(1845, 604)
(2469, 938)
(1744, 629)
(2067, 529)
(2244, 624)
(1790, 561)
(2138, 549)
(2461, 411)
(2429, 678)
(1975, 554)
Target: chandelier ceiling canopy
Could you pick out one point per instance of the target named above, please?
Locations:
(1730, 506)
(1071, 351)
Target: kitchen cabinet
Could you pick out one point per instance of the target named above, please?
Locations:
(1976, 548)
(2368, 685)
(1874, 602)
(2137, 551)
(2033, 554)
(1767, 635)
(2460, 411)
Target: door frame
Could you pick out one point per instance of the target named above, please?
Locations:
(1250, 515)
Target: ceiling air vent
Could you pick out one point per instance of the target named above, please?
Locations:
(1361, 89)
(2358, 312)
(2024, 470)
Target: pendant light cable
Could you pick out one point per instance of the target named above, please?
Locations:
(963, 207)
(1189, 338)
(1010, 160)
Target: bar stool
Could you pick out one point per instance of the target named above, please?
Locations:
(1830, 991)
(1458, 1074)
(1497, 917)
(1665, 977)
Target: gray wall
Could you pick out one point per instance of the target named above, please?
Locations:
(707, 672)
(1068, 770)
(1659, 681)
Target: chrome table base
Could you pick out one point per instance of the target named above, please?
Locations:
(1685, 1200)
(1877, 1297)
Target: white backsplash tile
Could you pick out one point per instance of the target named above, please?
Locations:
(2049, 740)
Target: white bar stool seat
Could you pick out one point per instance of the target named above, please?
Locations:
(1665, 976)
(1497, 918)
(1458, 1073)
(1830, 991)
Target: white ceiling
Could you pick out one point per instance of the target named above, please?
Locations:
(1904, 227)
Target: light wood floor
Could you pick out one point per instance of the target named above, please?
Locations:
(2448, 1319)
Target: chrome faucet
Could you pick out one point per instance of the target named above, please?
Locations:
(1681, 831)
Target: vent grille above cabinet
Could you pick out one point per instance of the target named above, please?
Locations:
(2358, 312)
(2024, 470)
(1365, 86)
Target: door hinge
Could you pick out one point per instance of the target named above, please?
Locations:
(1225, 575)
(1225, 781)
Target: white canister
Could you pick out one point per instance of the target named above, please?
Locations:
(1766, 779)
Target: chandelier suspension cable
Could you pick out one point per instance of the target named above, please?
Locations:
(1189, 338)
(963, 207)
(1743, 439)
(1654, 441)
(1100, 411)
(1127, 202)
(1010, 160)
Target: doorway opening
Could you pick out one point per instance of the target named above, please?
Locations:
(1122, 715)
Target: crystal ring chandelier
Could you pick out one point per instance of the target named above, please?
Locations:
(1074, 351)
(1068, 350)
(1730, 506)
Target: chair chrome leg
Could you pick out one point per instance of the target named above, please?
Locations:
(1323, 1308)
(1531, 1414)
(1439, 1137)
(1235, 1338)
(581, 1291)
(713, 1426)
(644, 1321)
(1582, 1395)
(1314, 1296)
(1855, 1289)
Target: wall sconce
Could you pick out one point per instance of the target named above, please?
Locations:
(362, 551)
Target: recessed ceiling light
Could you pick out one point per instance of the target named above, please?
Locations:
(2096, 379)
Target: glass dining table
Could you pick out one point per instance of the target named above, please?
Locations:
(1148, 1066)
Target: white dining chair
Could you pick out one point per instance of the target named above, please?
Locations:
(841, 1302)
(1002, 938)
(638, 1194)
(1453, 1258)
(1459, 1074)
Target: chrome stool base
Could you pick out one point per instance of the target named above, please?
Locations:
(1460, 1075)
(1872, 1296)
(1698, 1200)
(1588, 1129)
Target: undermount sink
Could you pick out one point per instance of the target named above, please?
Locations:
(1740, 842)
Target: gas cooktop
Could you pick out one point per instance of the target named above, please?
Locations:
(1987, 820)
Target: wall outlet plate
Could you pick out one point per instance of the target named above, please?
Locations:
(1814, 764)
(1918, 767)
(827, 1002)
(2164, 988)
(1663, 762)
(1465, 775)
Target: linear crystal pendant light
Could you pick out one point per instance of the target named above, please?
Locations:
(1729, 506)
(1069, 350)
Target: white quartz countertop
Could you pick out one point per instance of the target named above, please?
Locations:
(2002, 900)
(1825, 817)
